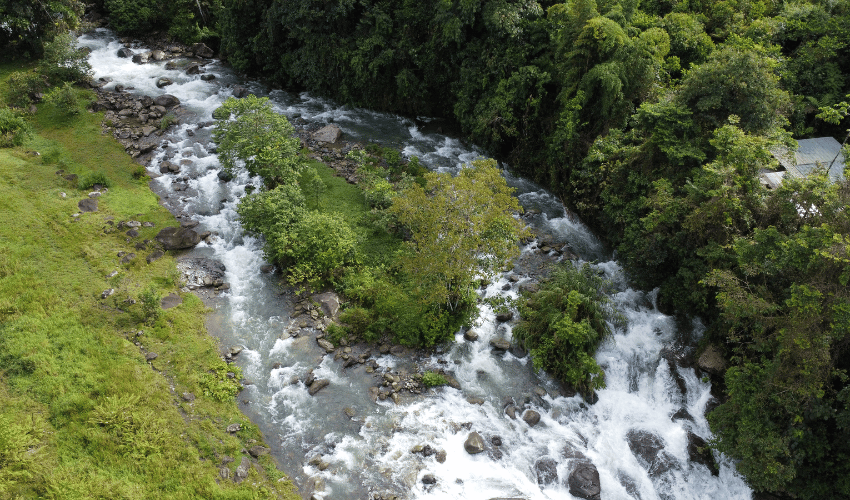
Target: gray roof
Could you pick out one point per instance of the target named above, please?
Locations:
(809, 154)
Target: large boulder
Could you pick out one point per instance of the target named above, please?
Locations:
(584, 482)
(201, 50)
(166, 100)
(531, 417)
(712, 361)
(318, 385)
(700, 453)
(474, 443)
(125, 52)
(329, 303)
(328, 133)
(649, 450)
(177, 238)
(239, 92)
(141, 58)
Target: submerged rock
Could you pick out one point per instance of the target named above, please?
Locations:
(546, 470)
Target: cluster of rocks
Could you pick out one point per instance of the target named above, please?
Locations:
(135, 121)
(163, 51)
(200, 272)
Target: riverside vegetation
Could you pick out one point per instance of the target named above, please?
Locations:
(105, 396)
(652, 120)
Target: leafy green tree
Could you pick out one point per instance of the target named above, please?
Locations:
(460, 227)
(25, 25)
(250, 131)
(63, 61)
(564, 322)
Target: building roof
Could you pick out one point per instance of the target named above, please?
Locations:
(811, 153)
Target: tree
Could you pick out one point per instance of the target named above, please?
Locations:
(25, 25)
(563, 324)
(250, 131)
(460, 228)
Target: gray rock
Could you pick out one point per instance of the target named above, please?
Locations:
(239, 92)
(201, 50)
(318, 385)
(107, 293)
(171, 300)
(584, 482)
(207, 77)
(546, 470)
(258, 451)
(474, 443)
(157, 55)
(233, 428)
(329, 303)
(166, 100)
(470, 335)
(712, 361)
(500, 345)
(177, 238)
(700, 453)
(194, 69)
(505, 316)
(440, 456)
(170, 65)
(325, 344)
(329, 133)
(225, 176)
(188, 397)
(429, 479)
(151, 356)
(531, 417)
(88, 205)
(644, 445)
(141, 58)
(242, 470)
(125, 52)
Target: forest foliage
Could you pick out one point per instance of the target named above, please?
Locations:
(652, 120)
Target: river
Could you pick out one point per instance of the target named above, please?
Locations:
(369, 454)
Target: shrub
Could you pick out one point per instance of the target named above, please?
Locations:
(315, 247)
(22, 87)
(433, 379)
(563, 324)
(150, 300)
(14, 129)
(89, 180)
(167, 121)
(64, 98)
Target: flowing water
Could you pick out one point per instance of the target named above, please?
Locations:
(369, 454)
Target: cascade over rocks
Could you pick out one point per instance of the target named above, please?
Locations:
(546, 470)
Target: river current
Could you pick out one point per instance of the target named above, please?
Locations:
(370, 453)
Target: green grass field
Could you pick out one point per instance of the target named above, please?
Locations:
(84, 414)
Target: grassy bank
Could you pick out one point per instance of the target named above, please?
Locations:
(87, 413)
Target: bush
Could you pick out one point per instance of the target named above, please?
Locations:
(150, 300)
(167, 121)
(64, 98)
(22, 87)
(14, 129)
(563, 324)
(314, 247)
(89, 180)
(433, 379)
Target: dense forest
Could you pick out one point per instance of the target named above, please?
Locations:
(652, 121)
